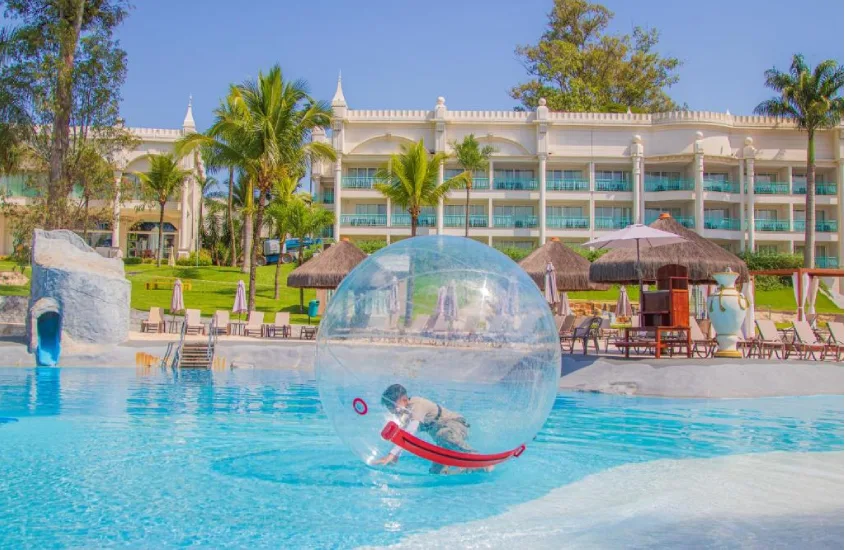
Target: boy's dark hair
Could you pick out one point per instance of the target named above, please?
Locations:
(392, 394)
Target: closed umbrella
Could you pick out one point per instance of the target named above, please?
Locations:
(450, 306)
(623, 303)
(563, 307)
(177, 302)
(550, 286)
(240, 300)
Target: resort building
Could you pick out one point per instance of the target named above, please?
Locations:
(134, 225)
(738, 180)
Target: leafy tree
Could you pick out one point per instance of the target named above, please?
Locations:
(303, 220)
(162, 182)
(473, 158)
(577, 66)
(812, 99)
(15, 121)
(283, 193)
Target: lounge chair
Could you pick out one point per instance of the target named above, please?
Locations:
(154, 322)
(566, 326)
(702, 345)
(255, 324)
(837, 338)
(193, 322)
(770, 341)
(807, 343)
(281, 325)
(220, 321)
(588, 330)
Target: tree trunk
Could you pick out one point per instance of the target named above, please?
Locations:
(414, 218)
(248, 230)
(85, 219)
(466, 213)
(231, 220)
(810, 205)
(299, 263)
(160, 240)
(256, 244)
(278, 268)
(199, 228)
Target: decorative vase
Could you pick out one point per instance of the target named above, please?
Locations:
(727, 307)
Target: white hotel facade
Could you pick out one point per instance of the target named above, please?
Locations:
(737, 180)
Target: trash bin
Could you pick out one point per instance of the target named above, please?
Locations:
(313, 309)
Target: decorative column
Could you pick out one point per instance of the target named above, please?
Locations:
(748, 154)
(338, 211)
(389, 222)
(490, 212)
(184, 223)
(840, 184)
(591, 175)
(742, 223)
(542, 122)
(789, 179)
(542, 168)
(186, 205)
(338, 115)
(636, 160)
(440, 202)
(440, 147)
(698, 166)
(115, 225)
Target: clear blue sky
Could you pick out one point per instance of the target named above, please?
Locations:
(402, 55)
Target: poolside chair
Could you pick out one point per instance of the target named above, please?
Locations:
(566, 326)
(807, 343)
(220, 321)
(281, 325)
(588, 330)
(702, 345)
(154, 322)
(770, 341)
(837, 338)
(193, 322)
(255, 324)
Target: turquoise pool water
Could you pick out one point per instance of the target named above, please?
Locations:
(94, 457)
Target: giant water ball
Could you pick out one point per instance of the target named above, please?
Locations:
(458, 328)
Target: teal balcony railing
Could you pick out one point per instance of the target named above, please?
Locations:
(653, 185)
(567, 185)
(822, 188)
(567, 222)
(771, 188)
(480, 183)
(364, 220)
(613, 185)
(686, 221)
(404, 220)
(771, 225)
(357, 182)
(475, 220)
(721, 186)
(515, 221)
(327, 198)
(822, 226)
(515, 184)
(729, 224)
(827, 261)
(611, 223)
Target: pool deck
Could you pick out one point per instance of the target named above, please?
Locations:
(670, 377)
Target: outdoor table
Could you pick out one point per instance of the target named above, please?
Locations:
(236, 328)
(659, 342)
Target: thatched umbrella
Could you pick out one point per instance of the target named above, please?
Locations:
(327, 269)
(571, 269)
(700, 256)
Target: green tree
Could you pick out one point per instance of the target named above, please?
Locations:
(473, 158)
(812, 99)
(302, 220)
(577, 66)
(283, 193)
(161, 183)
(15, 121)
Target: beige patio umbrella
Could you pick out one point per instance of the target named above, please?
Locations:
(572, 271)
(329, 268)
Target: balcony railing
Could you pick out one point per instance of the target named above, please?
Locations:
(729, 224)
(327, 198)
(567, 185)
(827, 262)
(653, 185)
(357, 182)
(822, 226)
(515, 221)
(404, 220)
(822, 188)
(515, 184)
(364, 220)
(686, 221)
(567, 222)
(480, 183)
(475, 220)
(721, 186)
(771, 188)
(613, 185)
(771, 225)
(611, 223)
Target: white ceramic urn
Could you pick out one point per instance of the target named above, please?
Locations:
(727, 308)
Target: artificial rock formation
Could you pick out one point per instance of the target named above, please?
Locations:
(89, 292)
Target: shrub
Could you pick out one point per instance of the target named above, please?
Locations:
(757, 261)
(132, 261)
(515, 253)
(204, 259)
(368, 247)
(591, 255)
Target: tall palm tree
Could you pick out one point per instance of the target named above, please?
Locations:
(409, 179)
(473, 158)
(163, 181)
(206, 185)
(302, 220)
(813, 100)
(283, 193)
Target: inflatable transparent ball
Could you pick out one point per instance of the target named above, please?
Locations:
(459, 326)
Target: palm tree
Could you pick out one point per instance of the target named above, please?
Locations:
(409, 179)
(163, 181)
(472, 158)
(205, 183)
(283, 194)
(302, 220)
(813, 100)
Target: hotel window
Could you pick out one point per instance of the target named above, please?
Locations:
(459, 209)
(371, 209)
(564, 174)
(575, 212)
(513, 174)
(715, 176)
(450, 173)
(765, 178)
(716, 214)
(668, 176)
(613, 175)
(769, 215)
(360, 172)
(654, 213)
(424, 210)
(515, 211)
(767, 248)
(802, 178)
(615, 212)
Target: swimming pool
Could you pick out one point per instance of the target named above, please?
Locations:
(93, 457)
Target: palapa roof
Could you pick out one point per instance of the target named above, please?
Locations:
(700, 256)
(571, 269)
(327, 269)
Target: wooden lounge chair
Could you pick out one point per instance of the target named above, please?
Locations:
(154, 322)
(702, 346)
(255, 324)
(837, 338)
(221, 321)
(588, 330)
(806, 342)
(193, 322)
(770, 341)
(281, 325)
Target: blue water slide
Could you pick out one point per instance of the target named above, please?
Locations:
(49, 326)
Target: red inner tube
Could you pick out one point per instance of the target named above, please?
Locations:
(440, 455)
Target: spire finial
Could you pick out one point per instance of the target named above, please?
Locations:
(338, 100)
(188, 123)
